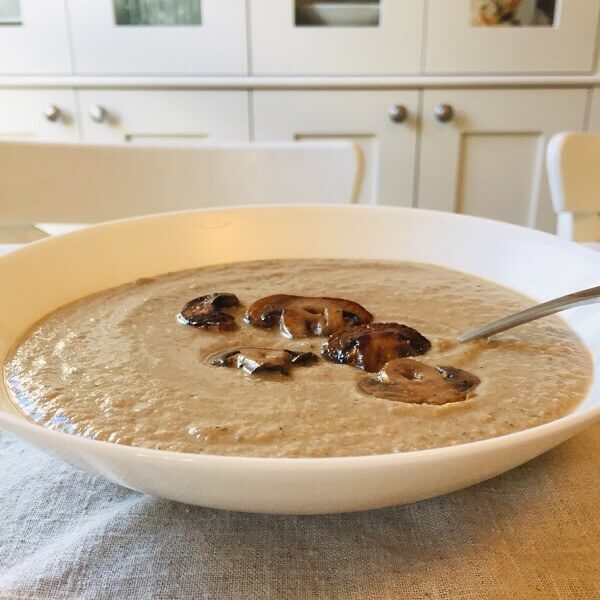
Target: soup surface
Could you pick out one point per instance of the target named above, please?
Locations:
(118, 366)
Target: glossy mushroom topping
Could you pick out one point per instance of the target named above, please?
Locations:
(208, 312)
(410, 381)
(300, 316)
(370, 347)
(463, 381)
(262, 360)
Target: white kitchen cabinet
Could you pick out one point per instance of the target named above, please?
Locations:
(376, 37)
(163, 117)
(109, 37)
(456, 42)
(488, 159)
(33, 37)
(38, 115)
(363, 116)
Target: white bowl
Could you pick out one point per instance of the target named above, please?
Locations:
(54, 271)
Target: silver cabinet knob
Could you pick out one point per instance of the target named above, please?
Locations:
(443, 113)
(398, 113)
(98, 113)
(52, 113)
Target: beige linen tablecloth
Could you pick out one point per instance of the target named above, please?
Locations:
(532, 533)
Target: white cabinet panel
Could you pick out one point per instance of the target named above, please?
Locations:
(456, 44)
(594, 124)
(489, 159)
(281, 45)
(33, 38)
(362, 116)
(163, 117)
(217, 45)
(495, 195)
(23, 115)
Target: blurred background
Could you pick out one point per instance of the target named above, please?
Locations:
(451, 101)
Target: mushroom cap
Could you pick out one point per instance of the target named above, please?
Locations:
(207, 311)
(371, 346)
(302, 316)
(261, 360)
(413, 382)
(461, 380)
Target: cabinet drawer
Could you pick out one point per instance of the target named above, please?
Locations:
(286, 39)
(362, 116)
(33, 37)
(163, 117)
(540, 36)
(488, 160)
(47, 115)
(184, 37)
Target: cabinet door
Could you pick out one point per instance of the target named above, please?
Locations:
(307, 37)
(33, 37)
(388, 147)
(159, 36)
(536, 36)
(47, 115)
(488, 160)
(163, 117)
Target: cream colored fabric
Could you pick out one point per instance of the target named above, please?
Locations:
(531, 533)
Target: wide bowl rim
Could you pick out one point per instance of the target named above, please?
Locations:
(553, 428)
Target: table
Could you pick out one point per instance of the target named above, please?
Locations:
(531, 533)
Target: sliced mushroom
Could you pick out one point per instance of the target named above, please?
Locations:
(410, 381)
(207, 312)
(370, 347)
(463, 381)
(261, 360)
(300, 316)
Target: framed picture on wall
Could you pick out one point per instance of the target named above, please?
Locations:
(513, 13)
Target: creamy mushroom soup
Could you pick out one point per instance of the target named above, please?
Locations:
(290, 358)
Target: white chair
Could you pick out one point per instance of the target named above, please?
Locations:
(69, 183)
(573, 161)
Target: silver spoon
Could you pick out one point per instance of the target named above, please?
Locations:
(531, 314)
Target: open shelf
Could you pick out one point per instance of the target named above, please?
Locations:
(513, 13)
(157, 12)
(338, 13)
(10, 12)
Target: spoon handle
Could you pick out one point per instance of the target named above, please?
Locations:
(589, 296)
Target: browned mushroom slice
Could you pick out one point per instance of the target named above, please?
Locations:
(461, 380)
(300, 316)
(207, 312)
(262, 360)
(410, 381)
(370, 347)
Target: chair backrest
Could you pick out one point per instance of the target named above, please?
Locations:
(86, 184)
(573, 161)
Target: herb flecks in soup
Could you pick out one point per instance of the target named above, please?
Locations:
(118, 366)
